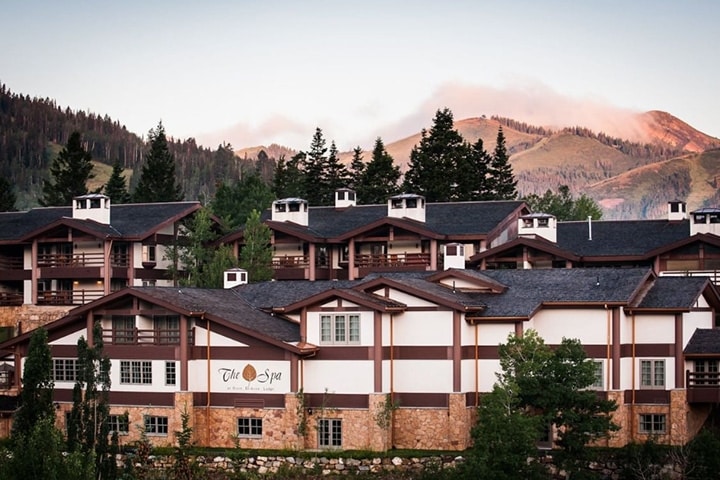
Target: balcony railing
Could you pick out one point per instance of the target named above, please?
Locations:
(70, 259)
(10, 299)
(11, 263)
(713, 275)
(290, 261)
(401, 260)
(68, 297)
(135, 336)
(703, 379)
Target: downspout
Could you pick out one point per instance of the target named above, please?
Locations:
(632, 400)
(207, 405)
(392, 378)
(477, 369)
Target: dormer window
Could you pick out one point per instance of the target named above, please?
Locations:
(714, 218)
(94, 203)
(527, 222)
(543, 222)
(81, 203)
(397, 203)
(280, 207)
(411, 203)
(699, 217)
(294, 207)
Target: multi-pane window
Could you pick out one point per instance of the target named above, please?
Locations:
(167, 328)
(119, 424)
(706, 372)
(598, 383)
(64, 369)
(170, 373)
(330, 432)
(652, 373)
(340, 329)
(123, 327)
(136, 372)
(156, 425)
(250, 427)
(653, 423)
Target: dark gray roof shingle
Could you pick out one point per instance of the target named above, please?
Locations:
(704, 341)
(673, 292)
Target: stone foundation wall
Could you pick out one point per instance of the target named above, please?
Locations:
(31, 317)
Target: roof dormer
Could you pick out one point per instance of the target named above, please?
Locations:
(293, 210)
(453, 256)
(677, 210)
(705, 220)
(234, 277)
(93, 206)
(407, 205)
(345, 197)
(538, 225)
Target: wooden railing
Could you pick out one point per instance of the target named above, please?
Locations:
(70, 260)
(393, 260)
(290, 261)
(135, 336)
(702, 379)
(713, 275)
(68, 297)
(11, 263)
(10, 299)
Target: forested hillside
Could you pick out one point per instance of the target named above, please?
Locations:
(33, 130)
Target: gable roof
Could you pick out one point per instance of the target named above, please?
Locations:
(131, 221)
(679, 293)
(704, 342)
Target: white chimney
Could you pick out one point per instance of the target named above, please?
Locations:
(705, 220)
(677, 210)
(234, 277)
(453, 256)
(541, 225)
(293, 210)
(407, 205)
(345, 197)
(93, 206)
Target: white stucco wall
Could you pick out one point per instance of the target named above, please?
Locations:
(429, 376)
(587, 325)
(419, 328)
(240, 376)
(346, 376)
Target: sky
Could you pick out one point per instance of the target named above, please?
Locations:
(259, 72)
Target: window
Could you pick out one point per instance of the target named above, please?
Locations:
(167, 328)
(119, 424)
(411, 203)
(250, 427)
(280, 207)
(652, 423)
(652, 374)
(714, 218)
(156, 425)
(136, 372)
(330, 433)
(699, 218)
(706, 372)
(339, 329)
(148, 283)
(64, 369)
(396, 203)
(543, 222)
(123, 327)
(170, 373)
(148, 253)
(598, 384)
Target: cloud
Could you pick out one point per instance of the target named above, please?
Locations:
(276, 129)
(534, 104)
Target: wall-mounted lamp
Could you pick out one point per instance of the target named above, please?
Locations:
(310, 411)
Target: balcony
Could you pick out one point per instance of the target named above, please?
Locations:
(290, 267)
(135, 336)
(8, 299)
(703, 387)
(391, 262)
(68, 297)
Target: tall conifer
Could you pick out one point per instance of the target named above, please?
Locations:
(70, 171)
(158, 182)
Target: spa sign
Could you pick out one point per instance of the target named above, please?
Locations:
(252, 377)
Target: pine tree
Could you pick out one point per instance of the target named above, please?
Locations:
(70, 170)
(234, 202)
(472, 180)
(335, 175)
(504, 185)
(289, 179)
(432, 170)
(357, 167)
(380, 178)
(157, 180)
(256, 253)
(36, 396)
(315, 185)
(116, 186)
(7, 196)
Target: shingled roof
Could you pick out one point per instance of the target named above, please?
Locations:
(674, 292)
(133, 220)
(704, 342)
(448, 218)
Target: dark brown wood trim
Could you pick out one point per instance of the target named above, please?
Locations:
(377, 352)
(648, 350)
(419, 353)
(457, 351)
(679, 363)
(616, 347)
(318, 401)
(411, 399)
(344, 352)
(651, 397)
(238, 353)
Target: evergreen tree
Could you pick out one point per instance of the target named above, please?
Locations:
(7, 196)
(315, 181)
(472, 174)
(357, 167)
(88, 429)
(70, 170)
(256, 253)
(503, 183)
(234, 202)
(116, 186)
(432, 170)
(36, 396)
(195, 252)
(379, 181)
(289, 179)
(563, 205)
(335, 174)
(157, 180)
